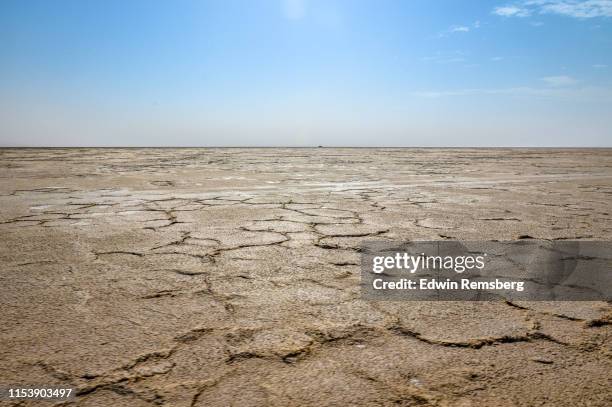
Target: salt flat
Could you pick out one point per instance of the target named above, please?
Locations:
(216, 277)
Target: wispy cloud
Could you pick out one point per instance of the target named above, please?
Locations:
(443, 60)
(578, 9)
(460, 28)
(573, 94)
(512, 11)
(496, 59)
(559, 80)
(600, 66)
(516, 91)
(570, 8)
(446, 57)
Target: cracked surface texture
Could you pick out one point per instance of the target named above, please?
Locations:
(218, 277)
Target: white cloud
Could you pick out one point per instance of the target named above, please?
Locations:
(459, 28)
(600, 66)
(446, 57)
(511, 11)
(496, 59)
(559, 80)
(574, 94)
(443, 60)
(578, 9)
(294, 9)
(570, 8)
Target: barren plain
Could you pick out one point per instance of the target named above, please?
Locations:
(230, 277)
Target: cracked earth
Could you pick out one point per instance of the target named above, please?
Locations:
(218, 277)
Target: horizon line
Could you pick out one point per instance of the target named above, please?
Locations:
(309, 147)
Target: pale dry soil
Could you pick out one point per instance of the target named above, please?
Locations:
(218, 277)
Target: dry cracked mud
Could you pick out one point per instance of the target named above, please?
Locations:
(218, 277)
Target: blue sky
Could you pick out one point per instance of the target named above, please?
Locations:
(306, 72)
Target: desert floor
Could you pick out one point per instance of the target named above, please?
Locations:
(217, 277)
